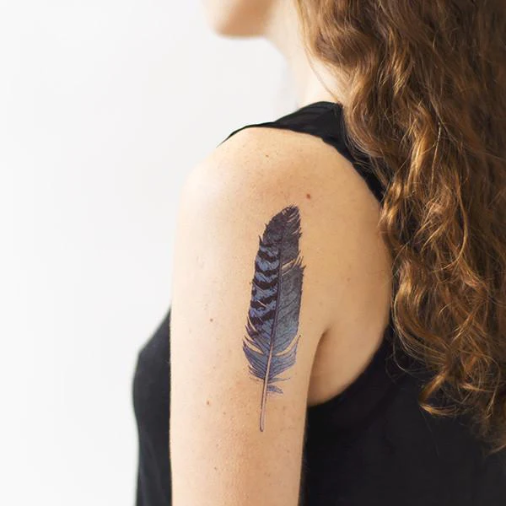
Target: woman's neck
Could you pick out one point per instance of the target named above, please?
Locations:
(313, 81)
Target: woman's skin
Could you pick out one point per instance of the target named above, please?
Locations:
(276, 20)
(245, 277)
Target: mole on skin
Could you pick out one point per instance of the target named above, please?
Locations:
(308, 195)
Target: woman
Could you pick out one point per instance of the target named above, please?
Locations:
(338, 322)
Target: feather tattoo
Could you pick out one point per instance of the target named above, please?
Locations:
(273, 317)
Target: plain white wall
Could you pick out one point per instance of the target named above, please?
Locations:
(104, 107)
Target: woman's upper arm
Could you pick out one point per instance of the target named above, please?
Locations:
(251, 280)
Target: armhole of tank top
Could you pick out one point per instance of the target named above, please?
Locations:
(382, 353)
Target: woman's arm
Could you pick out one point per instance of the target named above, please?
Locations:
(251, 299)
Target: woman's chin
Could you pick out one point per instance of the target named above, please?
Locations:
(235, 18)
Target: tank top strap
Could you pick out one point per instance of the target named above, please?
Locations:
(325, 120)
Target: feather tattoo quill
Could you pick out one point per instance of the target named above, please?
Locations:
(273, 317)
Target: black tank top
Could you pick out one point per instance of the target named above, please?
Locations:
(371, 445)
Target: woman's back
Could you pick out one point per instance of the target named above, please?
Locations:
(366, 440)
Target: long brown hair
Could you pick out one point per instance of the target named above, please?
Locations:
(427, 105)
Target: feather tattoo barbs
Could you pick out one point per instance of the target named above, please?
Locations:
(271, 339)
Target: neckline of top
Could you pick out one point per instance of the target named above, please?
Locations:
(327, 103)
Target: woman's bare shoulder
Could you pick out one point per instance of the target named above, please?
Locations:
(278, 159)
(260, 169)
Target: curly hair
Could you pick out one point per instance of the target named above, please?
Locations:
(427, 107)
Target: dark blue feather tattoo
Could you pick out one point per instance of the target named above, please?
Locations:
(273, 318)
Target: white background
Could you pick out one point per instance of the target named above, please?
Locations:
(105, 105)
